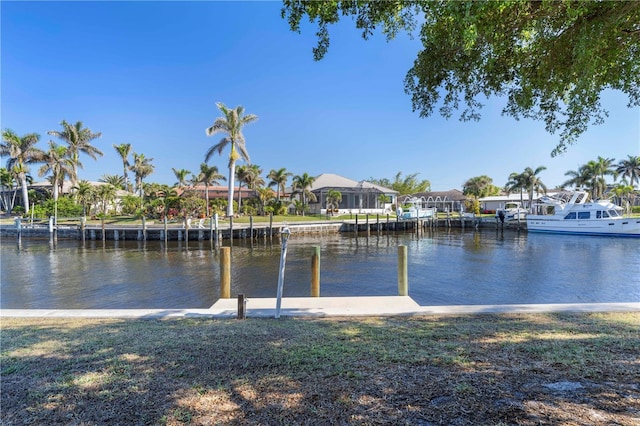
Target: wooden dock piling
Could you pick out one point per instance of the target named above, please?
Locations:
(403, 278)
(315, 272)
(225, 272)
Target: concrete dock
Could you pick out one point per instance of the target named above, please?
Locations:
(370, 306)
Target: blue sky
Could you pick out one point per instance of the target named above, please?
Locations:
(150, 74)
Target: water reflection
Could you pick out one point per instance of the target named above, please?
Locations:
(445, 267)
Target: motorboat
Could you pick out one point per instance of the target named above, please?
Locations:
(571, 212)
(512, 211)
(416, 208)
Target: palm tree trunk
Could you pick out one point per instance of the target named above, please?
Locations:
(55, 191)
(206, 196)
(55, 202)
(140, 191)
(25, 192)
(15, 194)
(126, 179)
(74, 178)
(531, 200)
(304, 202)
(232, 172)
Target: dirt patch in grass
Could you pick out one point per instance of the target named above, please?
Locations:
(581, 369)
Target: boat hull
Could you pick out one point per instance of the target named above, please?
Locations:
(624, 227)
(422, 214)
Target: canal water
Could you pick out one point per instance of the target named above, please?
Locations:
(446, 267)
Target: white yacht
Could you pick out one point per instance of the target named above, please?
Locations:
(512, 211)
(573, 213)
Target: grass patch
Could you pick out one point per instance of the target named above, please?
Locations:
(486, 369)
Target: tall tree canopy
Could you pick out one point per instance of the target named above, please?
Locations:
(230, 124)
(405, 186)
(21, 151)
(79, 140)
(550, 60)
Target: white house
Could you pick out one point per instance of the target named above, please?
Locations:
(357, 197)
(495, 202)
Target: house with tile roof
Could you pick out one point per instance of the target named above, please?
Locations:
(357, 197)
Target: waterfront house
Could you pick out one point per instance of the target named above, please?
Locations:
(46, 189)
(452, 200)
(218, 191)
(357, 197)
(494, 202)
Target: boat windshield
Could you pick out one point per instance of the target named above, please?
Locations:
(581, 197)
(614, 213)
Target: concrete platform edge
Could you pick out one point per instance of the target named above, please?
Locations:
(369, 306)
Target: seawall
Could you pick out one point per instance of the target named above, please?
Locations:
(243, 231)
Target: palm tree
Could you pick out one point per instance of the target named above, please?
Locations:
(279, 180)
(265, 194)
(124, 149)
(21, 151)
(142, 168)
(231, 124)
(79, 139)
(533, 183)
(579, 178)
(162, 196)
(301, 184)
(602, 167)
(605, 167)
(253, 178)
(516, 182)
(630, 168)
(58, 164)
(623, 193)
(8, 184)
(115, 180)
(334, 198)
(382, 199)
(242, 174)
(209, 175)
(106, 194)
(250, 175)
(181, 175)
(408, 185)
(596, 171)
(86, 195)
(527, 180)
(298, 206)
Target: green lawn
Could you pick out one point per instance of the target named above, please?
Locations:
(510, 369)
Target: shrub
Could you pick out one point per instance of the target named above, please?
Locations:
(130, 203)
(276, 207)
(249, 210)
(66, 208)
